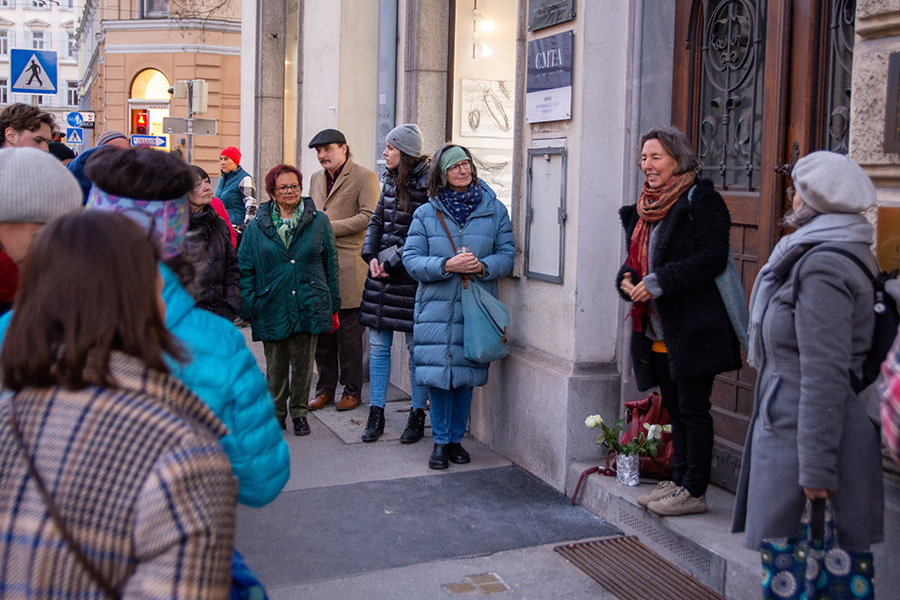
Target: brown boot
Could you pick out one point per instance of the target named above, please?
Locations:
(347, 402)
(320, 402)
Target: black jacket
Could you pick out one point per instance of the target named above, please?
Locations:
(691, 248)
(388, 303)
(208, 247)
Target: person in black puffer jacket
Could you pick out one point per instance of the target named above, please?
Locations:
(216, 286)
(389, 296)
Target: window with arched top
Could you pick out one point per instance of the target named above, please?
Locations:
(149, 105)
(150, 84)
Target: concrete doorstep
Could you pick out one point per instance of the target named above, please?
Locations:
(701, 544)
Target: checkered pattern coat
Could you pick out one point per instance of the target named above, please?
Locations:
(140, 480)
(890, 405)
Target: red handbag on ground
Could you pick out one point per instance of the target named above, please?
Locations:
(649, 410)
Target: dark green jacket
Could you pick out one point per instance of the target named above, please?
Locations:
(287, 290)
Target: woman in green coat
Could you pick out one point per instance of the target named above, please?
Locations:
(289, 288)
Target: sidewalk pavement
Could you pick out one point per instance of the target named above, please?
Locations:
(373, 521)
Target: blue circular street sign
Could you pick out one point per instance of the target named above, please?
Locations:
(74, 119)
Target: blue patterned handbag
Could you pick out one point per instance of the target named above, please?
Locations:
(811, 566)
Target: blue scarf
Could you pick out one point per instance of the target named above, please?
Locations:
(460, 205)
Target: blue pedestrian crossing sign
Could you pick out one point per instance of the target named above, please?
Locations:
(74, 135)
(33, 71)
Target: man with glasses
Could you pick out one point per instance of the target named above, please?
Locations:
(347, 193)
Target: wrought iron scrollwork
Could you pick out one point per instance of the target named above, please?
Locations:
(840, 62)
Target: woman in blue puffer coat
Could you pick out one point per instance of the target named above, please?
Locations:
(482, 247)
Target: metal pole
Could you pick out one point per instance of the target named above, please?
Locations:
(190, 121)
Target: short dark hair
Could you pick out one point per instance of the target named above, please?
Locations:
(21, 116)
(199, 172)
(140, 172)
(57, 335)
(277, 170)
(676, 144)
(437, 180)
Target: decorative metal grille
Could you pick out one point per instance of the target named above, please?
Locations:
(837, 88)
(731, 92)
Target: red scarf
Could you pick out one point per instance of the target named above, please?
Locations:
(652, 207)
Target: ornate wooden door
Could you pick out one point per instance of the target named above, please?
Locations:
(757, 83)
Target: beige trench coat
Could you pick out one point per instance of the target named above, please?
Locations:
(349, 206)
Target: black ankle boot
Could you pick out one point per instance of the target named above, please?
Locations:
(415, 427)
(439, 458)
(458, 454)
(375, 424)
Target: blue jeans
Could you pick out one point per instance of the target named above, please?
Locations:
(449, 413)
(380, 369)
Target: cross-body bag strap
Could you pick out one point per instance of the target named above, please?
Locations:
(98, 578)
(465, 278)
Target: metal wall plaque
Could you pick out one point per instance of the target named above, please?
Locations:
(545, 213)
(548, 89)
(545, 13)
(892, 110)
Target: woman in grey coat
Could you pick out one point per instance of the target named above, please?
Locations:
(810, 436)
(482, 248)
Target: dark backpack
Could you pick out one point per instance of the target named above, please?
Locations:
(887, 317)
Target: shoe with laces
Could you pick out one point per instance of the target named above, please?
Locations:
(415, 427)
(375, 424)
(680, 502)
(662, 489)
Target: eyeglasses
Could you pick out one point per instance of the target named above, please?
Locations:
(461, 166)
(285, 188)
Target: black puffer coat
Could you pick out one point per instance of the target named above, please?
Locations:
(216, 285)
(691, 248)
(388, 303)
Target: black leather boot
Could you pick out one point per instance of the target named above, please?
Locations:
(415, 427)
(439, 458)
(458, 454)
(375, 424)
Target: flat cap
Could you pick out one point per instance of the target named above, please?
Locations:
(327, 136)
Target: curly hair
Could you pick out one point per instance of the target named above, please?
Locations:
(21, 116)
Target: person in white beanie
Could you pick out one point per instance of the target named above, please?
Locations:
(811, 324)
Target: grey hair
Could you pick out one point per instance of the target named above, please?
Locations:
(676, 144)
(799, 218)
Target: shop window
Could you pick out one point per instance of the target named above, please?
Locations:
(150, 96)
(154, 9)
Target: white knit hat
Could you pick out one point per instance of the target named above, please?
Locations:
(832, 183)
(35, 187)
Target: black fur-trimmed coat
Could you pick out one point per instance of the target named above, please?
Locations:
(388, 303)
(691, 248)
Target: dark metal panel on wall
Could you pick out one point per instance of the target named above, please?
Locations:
(546, 13)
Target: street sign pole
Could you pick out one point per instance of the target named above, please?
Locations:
(190, 122)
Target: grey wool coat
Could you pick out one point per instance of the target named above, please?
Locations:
(808, 428)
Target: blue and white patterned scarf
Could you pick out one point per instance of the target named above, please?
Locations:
(460, 205)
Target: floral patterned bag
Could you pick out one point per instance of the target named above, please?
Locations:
(811, 566)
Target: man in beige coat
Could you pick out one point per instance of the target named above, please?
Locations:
(347, 193)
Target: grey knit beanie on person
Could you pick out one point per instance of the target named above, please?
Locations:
(833, 183)
(35, 187)
(407, 139)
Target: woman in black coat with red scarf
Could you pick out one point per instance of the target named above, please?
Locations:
(677, 239)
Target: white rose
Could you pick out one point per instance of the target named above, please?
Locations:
(593, 421)
(654, 432)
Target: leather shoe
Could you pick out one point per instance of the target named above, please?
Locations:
(301, 426)
(458, 454)
(438, 459)
(320, 402)
(347, 402)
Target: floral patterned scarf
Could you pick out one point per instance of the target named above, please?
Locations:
(461, 205)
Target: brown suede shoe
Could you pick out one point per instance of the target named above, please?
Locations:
(347, 402)
(320, 402)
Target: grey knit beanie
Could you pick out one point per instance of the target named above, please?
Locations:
(407, 139)
(35, 187)
(833, 183)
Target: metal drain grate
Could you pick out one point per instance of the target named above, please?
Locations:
(631, 571)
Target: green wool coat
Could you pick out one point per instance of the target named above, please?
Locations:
(287, 290)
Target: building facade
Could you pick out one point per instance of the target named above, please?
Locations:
(132, 51)
(756, 84)
(41, 25)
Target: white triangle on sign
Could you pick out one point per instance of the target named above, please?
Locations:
(74, 138)
(34, 77)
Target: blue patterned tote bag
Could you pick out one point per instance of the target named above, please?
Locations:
(811, 565)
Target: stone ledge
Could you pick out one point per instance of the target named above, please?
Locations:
(699, 544)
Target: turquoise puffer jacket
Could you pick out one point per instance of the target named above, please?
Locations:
(287, 290)
(224, 373)
(438, 330)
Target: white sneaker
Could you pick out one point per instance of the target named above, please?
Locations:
(662, 489)
(678, 503)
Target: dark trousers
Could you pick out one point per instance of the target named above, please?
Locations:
(296, 353)
(339, 356)
(687, 403)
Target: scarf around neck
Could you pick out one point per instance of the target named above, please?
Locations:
(285, 228)
(833, 227)
(461, 205)
(652, 207)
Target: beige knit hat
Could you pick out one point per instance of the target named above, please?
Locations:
(35, 187)
(832, 183)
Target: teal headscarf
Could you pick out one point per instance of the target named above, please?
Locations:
(451, 156)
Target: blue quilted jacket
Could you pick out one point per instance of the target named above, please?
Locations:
(438, 329)
(224, 373)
